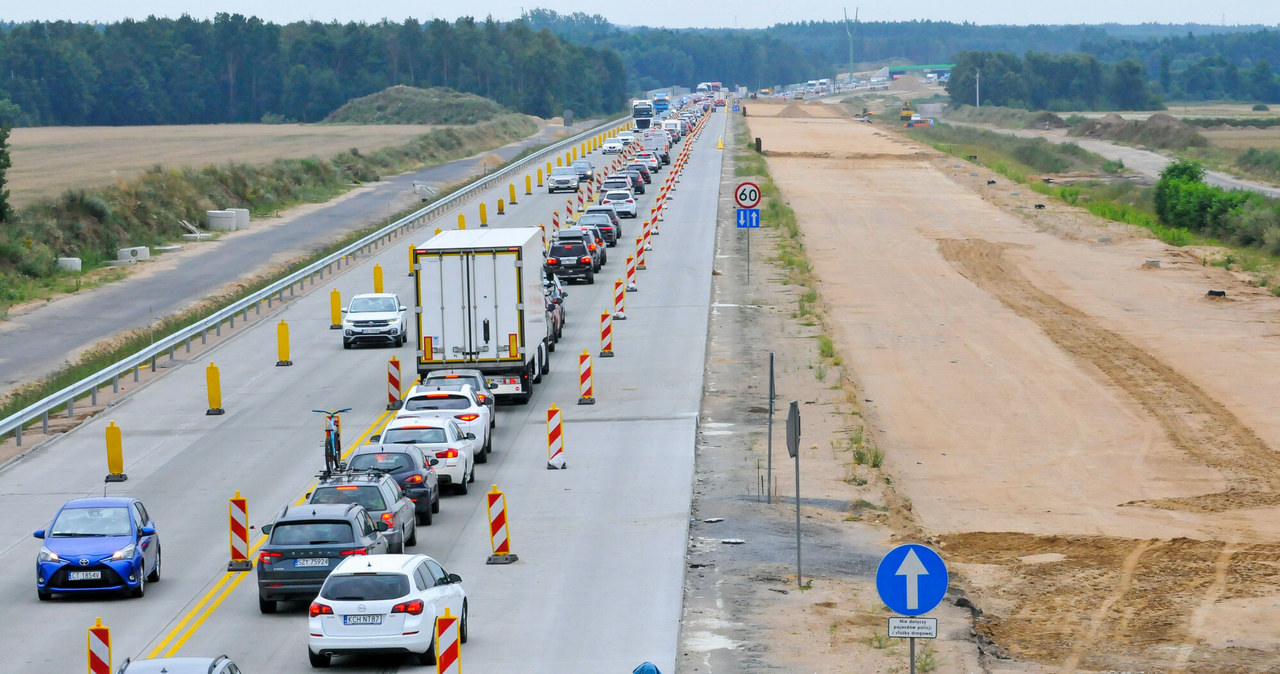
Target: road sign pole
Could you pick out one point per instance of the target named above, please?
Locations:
(798, 583)
(748, 257)
(769, 470)
(793, 448)
(911, 650)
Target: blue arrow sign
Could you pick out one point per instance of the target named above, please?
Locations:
(748, 218)
(911, 579)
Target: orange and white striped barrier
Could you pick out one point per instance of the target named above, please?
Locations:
(448, 652)
(499, 537)
(238, 514)
(631, 274)
(99, 651)
(619, 301)
(581, 201)
(568, 212)
(555, 440)
(606, 334)
(543, 229)
(586, 392)
(640, 253)
(393, 383)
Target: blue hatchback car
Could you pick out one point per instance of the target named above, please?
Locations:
(98, 544)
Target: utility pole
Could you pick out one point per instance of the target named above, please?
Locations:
(977, 88)
(849, 33)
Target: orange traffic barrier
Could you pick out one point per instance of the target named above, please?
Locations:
(393, 383)
(586, 392)
(499, 536)
(606, 334)
(619, 301)
(99, 648)
(631, 274)
(238, 513)
(449, 654)
(555, 440)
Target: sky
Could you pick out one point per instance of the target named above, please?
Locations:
(672, 13)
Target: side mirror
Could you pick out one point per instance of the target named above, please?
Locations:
(382, 525)
(307, 495)
(455, 578)
(266, 528)
(471, 436)
(343, 310)
(431, 463)
(493, 385)
(147, 531)
(403, 308)
(375, 439)
(39, 533)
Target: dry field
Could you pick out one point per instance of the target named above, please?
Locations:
(1244, 138)
(49, 160)
(1085, 438)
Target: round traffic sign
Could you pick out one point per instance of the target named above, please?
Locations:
(747, 195)
(911, 579)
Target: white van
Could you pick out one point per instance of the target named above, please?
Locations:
(673, 125)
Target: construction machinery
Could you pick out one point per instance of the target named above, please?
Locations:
(905, 114)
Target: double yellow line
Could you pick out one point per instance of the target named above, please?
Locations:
(209, 603)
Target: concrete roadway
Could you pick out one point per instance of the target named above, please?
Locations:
(36, 342)
(601, 544)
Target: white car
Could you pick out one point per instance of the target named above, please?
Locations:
(612, 146)
(458, 402)
(623, 201)
(626, 138)
(563, 178)
(439, 437)
(374, 318)
(617, 183)
(384, 604)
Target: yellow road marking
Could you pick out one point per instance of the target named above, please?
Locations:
(209, 603)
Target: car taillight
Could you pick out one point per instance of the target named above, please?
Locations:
(482, 397)
(450, 453)
(390, 519)
(411, 607)
(591, 246)
(265, 557)
(413, 479)
(631, 201)
(320, 609)
(553, 260)
(357, 551)
(585, 259)
(466, 417)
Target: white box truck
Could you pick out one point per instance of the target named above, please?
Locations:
(480, 306)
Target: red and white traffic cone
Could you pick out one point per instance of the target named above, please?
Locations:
(448, 652)
(99, 648)
(555, 440)
(238, 514)
(640, 253)
(586, 392)
(619, 301)
(631, 274)
(393, 383)
(499, 537)
(606, 334)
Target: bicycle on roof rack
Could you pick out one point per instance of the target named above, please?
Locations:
(332, 439)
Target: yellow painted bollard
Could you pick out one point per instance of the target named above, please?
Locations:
(528, 185)
(484, 216)
(462, 220)
(548, 173)
(501, 211)
(575, 154)
(115, 454)
(335, 310)
(540, 174)
(377, 278)
(213, 382)
(413, 247)
(282, 344)
(511, 187)
(438, 230)
(559, 162)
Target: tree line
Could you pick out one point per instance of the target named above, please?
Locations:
(1042, 81)
(242, 69)
(1183, 199)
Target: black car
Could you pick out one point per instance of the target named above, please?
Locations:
(607, 211)
(610, 230)
(637, 180)
(570, 259)
(306, 542)
(586, 172)
(407, 465)
(380, 495)
(643, 169)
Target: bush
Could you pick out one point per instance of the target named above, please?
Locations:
(1260, 107)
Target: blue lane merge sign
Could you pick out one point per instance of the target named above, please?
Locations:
(748, 218)
(911, 579)
(735, 108)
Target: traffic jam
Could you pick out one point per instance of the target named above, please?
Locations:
(351, 555)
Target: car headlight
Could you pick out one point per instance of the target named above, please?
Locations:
(47, 555)
(125, 553)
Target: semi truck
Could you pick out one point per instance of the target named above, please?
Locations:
(661, 102)
(642, 112)
(480, 306)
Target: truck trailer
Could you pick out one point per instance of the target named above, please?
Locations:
(480, 306)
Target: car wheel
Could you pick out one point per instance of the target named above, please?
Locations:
(397, 550)
(546, 363)
(461, 487)
(428, 657)
(43, 595)
(141, 590)
(435, 504)
(413, 535)
(472, 477)
(462, 624)
(318, 660)
(346, 344)
(269, 606)
(551, 346)
(483, 455)
(154, 576)
(591, 278)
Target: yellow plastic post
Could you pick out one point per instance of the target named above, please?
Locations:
(213, 382)
(540, 174)
(548, 173)
(528, 184)
(115, 454)
(484, 216)
(335, 310)
(462, 220)
(412, 247)
(501, 211)
(282, 344)
(511, 187)
(377, 278)
(559, 162)
(575, 154)
(438, 230)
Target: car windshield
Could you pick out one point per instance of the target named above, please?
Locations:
(368, 496)
(597, 219)
(311, 533)
(413, 436)
(392, 463)
(362, 305)
(580, 164)
(564, 171)
(617, 196)
(365, 587)
(108, 521)
(446, 402)
(575, 249)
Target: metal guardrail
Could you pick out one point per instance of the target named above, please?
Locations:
(112, 373)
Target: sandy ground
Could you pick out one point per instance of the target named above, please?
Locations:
(48, 160)
(1083, 436)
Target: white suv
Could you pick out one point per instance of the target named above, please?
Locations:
(374, 318)
(623, 201)
(384, 604)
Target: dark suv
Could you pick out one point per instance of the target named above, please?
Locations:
(306, 542)
(609, 229)
(570, 259)
(380, 495)
(410, 467)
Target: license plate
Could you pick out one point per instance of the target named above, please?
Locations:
(372, 331)
(361, 620)
(311, 561)
(84, 575)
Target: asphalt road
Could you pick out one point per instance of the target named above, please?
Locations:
(36, 342)
(601, 544)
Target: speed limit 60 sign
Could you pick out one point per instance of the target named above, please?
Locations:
(747, 195)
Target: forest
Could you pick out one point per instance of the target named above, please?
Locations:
(1042, 81)
(238, 69)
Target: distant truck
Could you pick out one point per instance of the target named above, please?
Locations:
(642, 112)
(479, 306)
(658, 142)
(661, 102)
